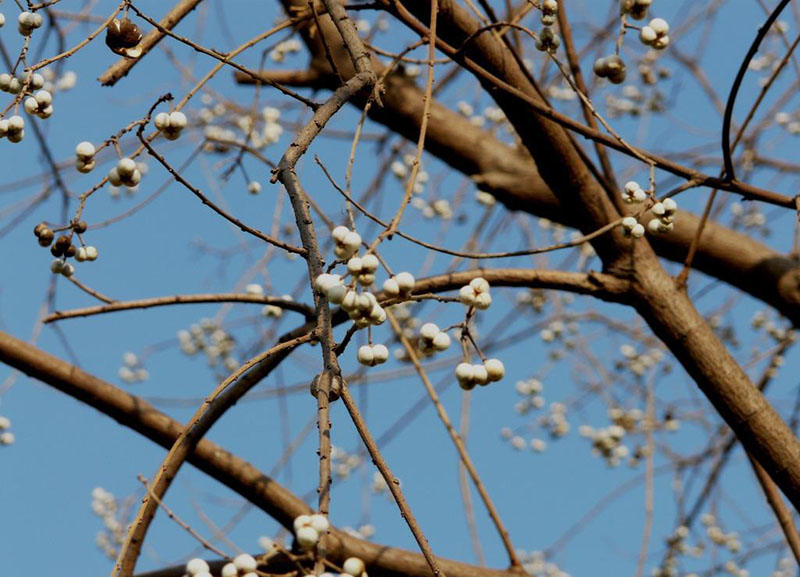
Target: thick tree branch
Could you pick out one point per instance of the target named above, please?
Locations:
(666, 309)
(513, 178)
(230, 470)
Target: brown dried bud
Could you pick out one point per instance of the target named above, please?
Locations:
(122, 36)
(70, 252)
(46, 237)
(80, 226)
(335, 386)
(63, 242)
(39, 228)
(57, 250)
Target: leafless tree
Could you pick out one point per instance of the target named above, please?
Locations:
(564, 95)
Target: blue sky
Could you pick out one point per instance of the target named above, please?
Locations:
(175, 245)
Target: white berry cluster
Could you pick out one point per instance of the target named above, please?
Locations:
(400, 284)
(309, 528)
(132, 371)
(476, 294)
(379, 486)
(40, 104)
(363, 532)
(491, 114)
(271, 311)
(530, 390)
(632, 227)
(27, 22)
(432, 339)
(665, 216)
(354, 567)
(468, 375)
(347, 242)
(290, 46)
(553, 331)
(171, 124)
(733, 569)
(718, 536)
(485, 198)
(555, 422)
(786, 567)
(607, 443)
(636, 9)
(363, 269)
(84, 157)
(400, 169)
(633, 193)
(344, 463)
(15, 84)
(611, 67)
(363, 308)
(440, 208)
(535, 563)
(6, 436)
(655, 34)
(13, 128)
(518, 442)
(243, 565)
(215, 342)
(372, 355)
(125, 173)
(639, 362)
(104, 505)
(535, 298)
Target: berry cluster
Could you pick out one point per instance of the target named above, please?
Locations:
(548, 41)
(354, 567)
(530, 390)
(343, 463)
(476, 294)
(208, 337)
(125, 173)
(40, 104)
(243, 565)
(363, 269)
(309, 528)
(468, 375)
(632, 227)
(63, 248)
(347, 242)
(432, 339)
(607, 443)
(6, 436)
(170, 124)
(13, 128)
(665, 215)
(611, 67)
(14, 84)
(634, 194)
(105, 506)
(549, 12)
(371, 355)
(27, 22)
(363, 308)
(132, 371)
(655, 34)
(84, 157)
(636, 9)
(290, 46)
(401, 283)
